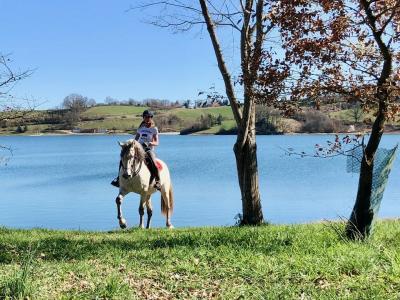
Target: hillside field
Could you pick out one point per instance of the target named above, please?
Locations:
(125, 119)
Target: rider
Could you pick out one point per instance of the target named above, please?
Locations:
(147, 136)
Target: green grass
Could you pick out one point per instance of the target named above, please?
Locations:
(226, 125)
(124, 118)
(269, 262)
(18, 285)
(128, 125)
(193, 114)
(347, 116)
(115, 110)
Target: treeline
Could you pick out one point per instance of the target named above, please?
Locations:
(150, 102)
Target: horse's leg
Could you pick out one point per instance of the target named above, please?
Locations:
(165, 192)
(118, 201)
(169, 224)
(142, 203)
(149, 207)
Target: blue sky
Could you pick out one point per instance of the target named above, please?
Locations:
(97, 49)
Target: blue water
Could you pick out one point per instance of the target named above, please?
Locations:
(62, 182)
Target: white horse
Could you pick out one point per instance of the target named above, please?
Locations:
(134, 176)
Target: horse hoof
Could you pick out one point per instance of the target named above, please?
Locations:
(122, 223)
(170, 226)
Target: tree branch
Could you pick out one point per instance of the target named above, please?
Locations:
(221, 64)
(253, 61)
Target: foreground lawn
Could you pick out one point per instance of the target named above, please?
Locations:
(269, 262)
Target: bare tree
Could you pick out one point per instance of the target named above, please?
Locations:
(91, 102)
(111, 101)
(76, 104)
(11, 108)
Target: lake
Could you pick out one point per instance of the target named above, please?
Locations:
(63, 182)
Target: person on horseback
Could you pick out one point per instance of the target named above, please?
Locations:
(147, 136)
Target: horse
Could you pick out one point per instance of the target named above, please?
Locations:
(134, 176)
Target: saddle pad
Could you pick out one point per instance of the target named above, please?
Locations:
(159, 165)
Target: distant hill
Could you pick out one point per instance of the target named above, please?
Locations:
(210, 120)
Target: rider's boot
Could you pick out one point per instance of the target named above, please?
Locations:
(154, 175)
(157, 185)
(115, 182)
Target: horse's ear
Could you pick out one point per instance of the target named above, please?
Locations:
(121, 144)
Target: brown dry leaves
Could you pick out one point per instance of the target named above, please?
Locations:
(183, 286)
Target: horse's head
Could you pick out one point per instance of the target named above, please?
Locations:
(131, 151)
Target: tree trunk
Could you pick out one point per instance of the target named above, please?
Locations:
(246, 162)
(247, 169)
(360, 222)
(245, 147)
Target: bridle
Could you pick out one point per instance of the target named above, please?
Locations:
(133, 166)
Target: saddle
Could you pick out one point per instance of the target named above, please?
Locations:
(147, 162)
(154, 168)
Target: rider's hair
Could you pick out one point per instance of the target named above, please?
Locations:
(144, 124)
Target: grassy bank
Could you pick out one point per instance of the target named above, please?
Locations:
(271, 262)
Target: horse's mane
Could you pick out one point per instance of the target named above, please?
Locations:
(140, 155)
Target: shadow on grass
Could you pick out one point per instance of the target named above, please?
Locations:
(65, 248)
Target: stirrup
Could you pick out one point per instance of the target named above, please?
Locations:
(157, 185)
(115, 182)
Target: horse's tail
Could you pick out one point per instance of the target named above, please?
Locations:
(165, 206)
(171, 199)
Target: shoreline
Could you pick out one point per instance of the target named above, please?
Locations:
(389, 132)
(81, 134)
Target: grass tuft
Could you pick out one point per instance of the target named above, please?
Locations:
(18, 284)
